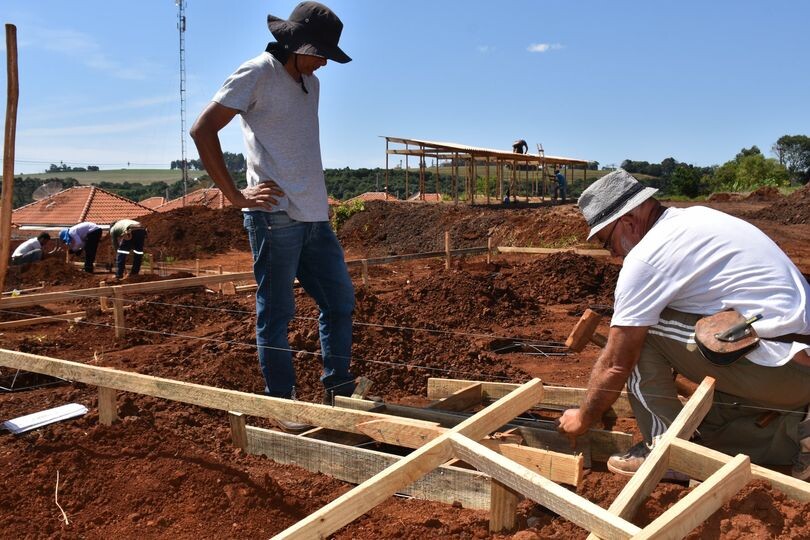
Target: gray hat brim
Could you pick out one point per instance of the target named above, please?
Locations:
(631, 203)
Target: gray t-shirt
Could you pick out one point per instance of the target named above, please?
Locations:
(280, 129)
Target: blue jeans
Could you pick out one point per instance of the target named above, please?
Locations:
(284, 249)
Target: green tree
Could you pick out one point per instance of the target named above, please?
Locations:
(793, 151)
(685, 180)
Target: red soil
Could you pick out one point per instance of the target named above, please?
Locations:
(169, 470)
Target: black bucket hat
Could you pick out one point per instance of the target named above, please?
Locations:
(311, 29)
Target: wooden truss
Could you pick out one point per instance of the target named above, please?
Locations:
(510, 470)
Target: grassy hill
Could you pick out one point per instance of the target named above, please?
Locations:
(140, 176)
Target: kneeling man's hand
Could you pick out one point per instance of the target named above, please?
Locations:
(571, 425)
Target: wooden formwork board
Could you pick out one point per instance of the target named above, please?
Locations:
(439, 388)
(61, 317)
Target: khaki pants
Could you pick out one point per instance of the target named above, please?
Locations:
(743, 392)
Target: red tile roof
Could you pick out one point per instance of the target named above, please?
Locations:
(211, 197)
(77, 204)
(153, 202)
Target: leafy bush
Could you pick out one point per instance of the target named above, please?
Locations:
(344, 211)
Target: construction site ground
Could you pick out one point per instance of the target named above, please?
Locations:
(169, 470)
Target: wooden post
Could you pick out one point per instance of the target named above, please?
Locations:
(365, 271)
(219, 287)
(118, 311)
(107, 406)
(7, 197)
(197, 272)
(362, 388)
(102, 300)
(502, 507)
(489, 249)
(447, 250)
(238, 429)
(153, 263)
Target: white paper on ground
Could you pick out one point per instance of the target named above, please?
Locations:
(42, 418)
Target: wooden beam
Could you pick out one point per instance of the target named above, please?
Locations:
(559, 467)
(700, 462)
(543, 491)
(563, 396)
(460, 400)
(362, 388)
(9, 144)
(72, 316)
(656, 463)
(107, 405)
(445, 484)
(195, 394)
(700, 503)
(547, 251)
(376, 489)
(118, 312)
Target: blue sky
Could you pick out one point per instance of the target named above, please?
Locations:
(598, 80)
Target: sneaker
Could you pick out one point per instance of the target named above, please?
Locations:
(801, 466)
(627, 464)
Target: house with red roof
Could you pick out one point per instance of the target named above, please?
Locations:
(210, 197)
(75, 205)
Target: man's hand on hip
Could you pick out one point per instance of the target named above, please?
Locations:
(263, 195)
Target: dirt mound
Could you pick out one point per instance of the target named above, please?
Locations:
(722, 196)
(54, 271)
(387, 229)
(195, 231)
(765, 193)
(791, 210)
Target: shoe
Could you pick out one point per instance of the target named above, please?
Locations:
(628, 463)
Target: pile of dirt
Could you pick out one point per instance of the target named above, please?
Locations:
(386, 228)
(53, 271)
(722, 196)
(765, 193)
(195, 231)
(791, 210)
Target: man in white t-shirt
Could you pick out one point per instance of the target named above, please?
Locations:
(286, 213)
(31, 250)
(680, 265)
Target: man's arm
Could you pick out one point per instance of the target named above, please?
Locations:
(608, 377)
(205, 133)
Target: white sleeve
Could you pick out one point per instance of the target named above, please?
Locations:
(642, 293)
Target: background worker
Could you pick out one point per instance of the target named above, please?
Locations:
(286, 213)
(679, 265)
(85, 237)
(127, 235)
(561, 189)
(31, 250)
(520, 147)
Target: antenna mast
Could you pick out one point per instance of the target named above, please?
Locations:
(181, 27)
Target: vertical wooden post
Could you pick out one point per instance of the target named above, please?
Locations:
(219, 285)
(153, 263)
(7, 197)
(238, 430)
(386, 165)
(118, 312)
(197, 268)
(502, 507)
(447, 250)
(107, 405)
(489, 249)
(102, 300)
(365, 271)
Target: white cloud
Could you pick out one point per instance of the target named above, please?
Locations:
(543, 47)
(84, 49)
(484, 49)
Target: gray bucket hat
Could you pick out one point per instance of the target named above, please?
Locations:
(611, 197)
(311, 29)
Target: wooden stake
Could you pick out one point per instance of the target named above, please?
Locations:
(219, 287)
(7, 197)
(364, 263)
(362, 388)
(502, 507)
(447, 250)
(102, 300)
(197, 268)
(107, 405)
(489, 247)
(238, 429)
(118, 309)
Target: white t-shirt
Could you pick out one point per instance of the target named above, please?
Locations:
(79, 232)
(698, 260)
(281, 133)
(27, 247)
